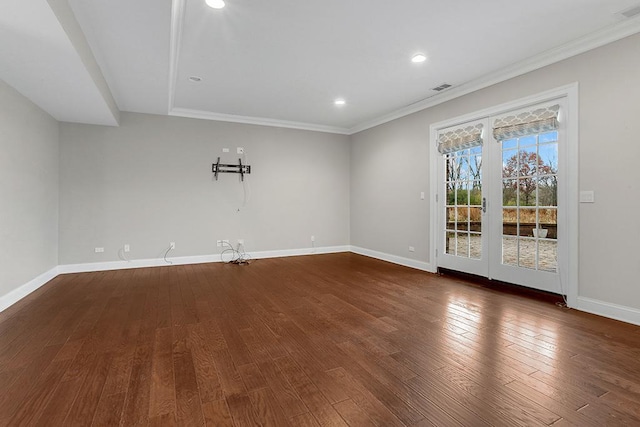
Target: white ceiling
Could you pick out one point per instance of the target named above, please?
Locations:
(283, 62)
(40, 60)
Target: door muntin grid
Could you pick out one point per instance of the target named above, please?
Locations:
(463, 228)
(530, 201)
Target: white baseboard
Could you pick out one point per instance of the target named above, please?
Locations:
(299, 252)
(135, 263)
(16, 295)
(610, 310)
(198, 259)
(407, 262)
(589, 305)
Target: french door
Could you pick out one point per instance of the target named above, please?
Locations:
(463, 229)
(500, 193)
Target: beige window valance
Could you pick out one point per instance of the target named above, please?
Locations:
(526, 123)
(460, 138)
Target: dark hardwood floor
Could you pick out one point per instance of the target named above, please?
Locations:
(328, 340)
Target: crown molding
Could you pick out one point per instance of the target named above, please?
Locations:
(177, 24)
(260, 121)
(576, 47)
(592, 41)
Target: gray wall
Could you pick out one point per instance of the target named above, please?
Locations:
(387, 216)
(28, 190)
(149, 182)
(389, 169)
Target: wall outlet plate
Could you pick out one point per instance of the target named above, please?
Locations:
(99, 250)
(127, 248)
(240, 150)
(587, 196)
(172, 245)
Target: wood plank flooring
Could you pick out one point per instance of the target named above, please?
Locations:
(324, 340)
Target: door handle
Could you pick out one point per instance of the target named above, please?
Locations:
(484, 205)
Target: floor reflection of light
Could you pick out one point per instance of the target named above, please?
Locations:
(534, 335)
(477, 349)
(499, 332)
(457, 308)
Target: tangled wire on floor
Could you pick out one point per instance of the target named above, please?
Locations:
(238, 256)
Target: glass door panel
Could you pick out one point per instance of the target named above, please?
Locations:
(462, 228)
(530, 201)
(527, 251)
(500, 213)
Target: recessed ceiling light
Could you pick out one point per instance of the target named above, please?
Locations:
(195, 79)
(419, 57)
(216, 4)
(339, 101)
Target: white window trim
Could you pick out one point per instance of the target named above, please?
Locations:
(569, 275)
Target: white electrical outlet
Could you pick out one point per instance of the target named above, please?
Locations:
(172, 245)
(241, 241)
(587, 196)
(127, 248)
(422, 195)
(313, 238)
(225, 150)
(240, 150)
(412, 249)
(219, 243)
(99, 250)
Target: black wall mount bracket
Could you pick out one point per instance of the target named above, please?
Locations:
(218, 167)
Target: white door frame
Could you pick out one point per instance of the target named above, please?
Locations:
(568, 270)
